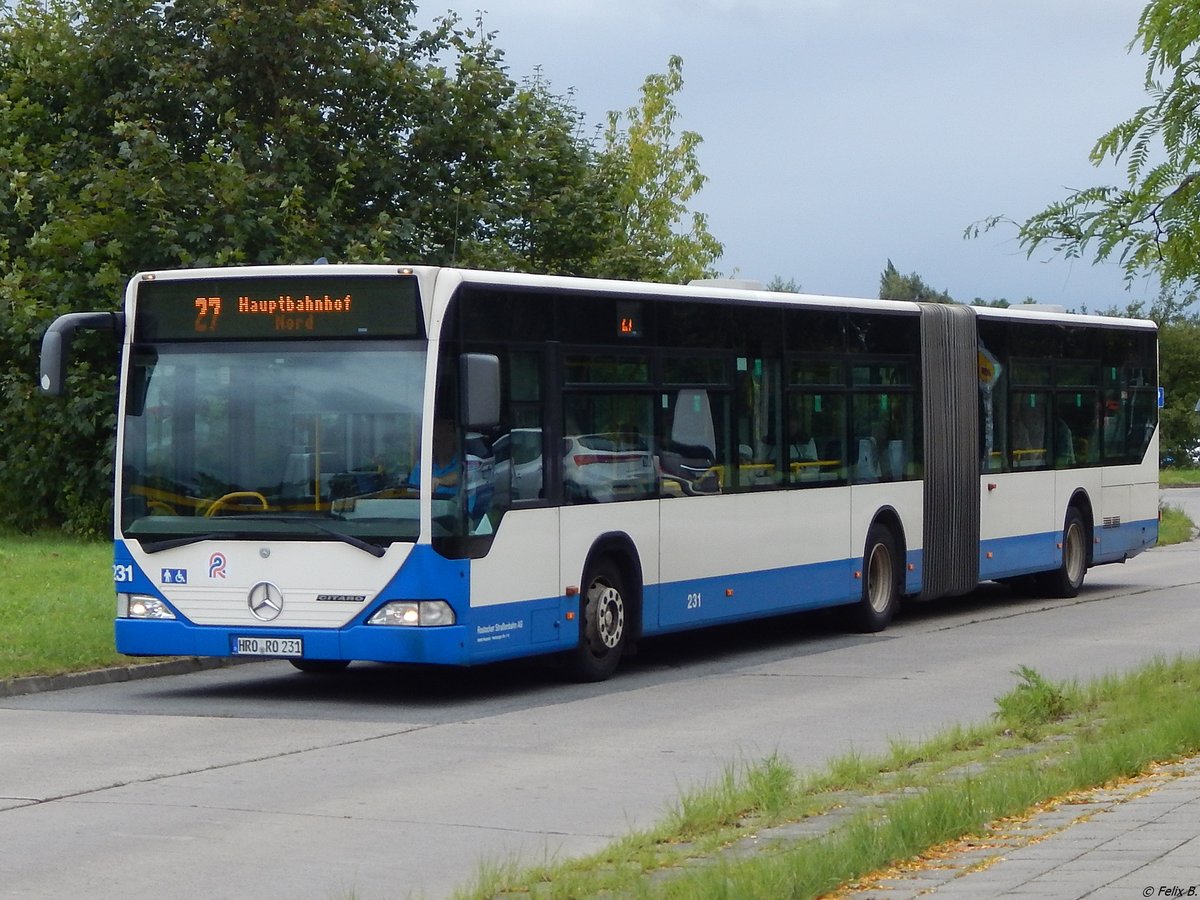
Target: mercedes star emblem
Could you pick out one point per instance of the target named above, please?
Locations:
(265, 601)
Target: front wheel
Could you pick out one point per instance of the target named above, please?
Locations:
(880, 581)
(604, 623)
(1067, 579)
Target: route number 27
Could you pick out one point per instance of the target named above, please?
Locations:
(208, 309)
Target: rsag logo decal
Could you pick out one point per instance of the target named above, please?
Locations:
(216, 565)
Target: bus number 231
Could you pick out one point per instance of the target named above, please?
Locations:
(693, 601)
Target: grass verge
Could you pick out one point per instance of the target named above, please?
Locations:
(745, 835)
(1174, 527)
(57, 609)
(1170, 477)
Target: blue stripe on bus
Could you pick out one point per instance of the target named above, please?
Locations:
(509, 630)
(1125, 540)
(683, 604)
(1027, 553)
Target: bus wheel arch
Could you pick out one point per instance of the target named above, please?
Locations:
(887, 517)
(1083, 503)
(610, 608)
(1076, 542)
(882, 573)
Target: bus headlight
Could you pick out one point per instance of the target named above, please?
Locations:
(139, 606)
(414, 613)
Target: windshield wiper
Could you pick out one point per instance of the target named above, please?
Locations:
(171, 543)
(358, 543)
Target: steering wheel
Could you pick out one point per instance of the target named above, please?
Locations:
(223, 501)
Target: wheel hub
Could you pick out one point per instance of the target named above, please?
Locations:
(610, 614)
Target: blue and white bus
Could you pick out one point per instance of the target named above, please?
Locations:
(432, 465)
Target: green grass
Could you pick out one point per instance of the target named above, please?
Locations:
(1174, 527)
(1169, 477)
(56, 605)
(1045, 741)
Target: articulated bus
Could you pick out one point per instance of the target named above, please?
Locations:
(331, 463)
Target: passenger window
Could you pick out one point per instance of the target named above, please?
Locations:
(692, 452)
(760, 423)
(1077, 435)
(993, 423)
(1030, 429)
(883, 437)
(816, 430)
(608, 452)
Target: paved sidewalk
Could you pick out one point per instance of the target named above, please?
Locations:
(1141, 839)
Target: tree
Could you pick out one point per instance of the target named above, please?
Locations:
(556, 212)
(791, 286)
(163, 133)
(1152, 222)
(655, 175)
(894, 286)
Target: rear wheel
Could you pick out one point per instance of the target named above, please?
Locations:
(604, 615)
(1067, 579)
(880, 581)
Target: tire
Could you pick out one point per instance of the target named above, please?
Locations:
(320, 666)
(1067, 579)
(881, 586)
(604, 622)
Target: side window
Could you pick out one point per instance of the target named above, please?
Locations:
(1130, 406)
(816, 419)
(693, 454)
(1054, 410)
(816, 436)
(1077, 404)
(517, 448)
(883, 432)
(760, 436)
(993, 423)
(1030, 428)
(608, 452)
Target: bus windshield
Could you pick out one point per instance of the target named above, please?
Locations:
(249, 440)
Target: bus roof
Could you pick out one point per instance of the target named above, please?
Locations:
(711, 289)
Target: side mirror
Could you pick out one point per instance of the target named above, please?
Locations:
(479, 380)
(56, 344)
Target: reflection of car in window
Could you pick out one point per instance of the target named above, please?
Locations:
(605, 467)
(518, 466)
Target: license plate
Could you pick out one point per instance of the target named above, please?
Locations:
(267, 646)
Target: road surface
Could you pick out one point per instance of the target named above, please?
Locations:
(385, 782)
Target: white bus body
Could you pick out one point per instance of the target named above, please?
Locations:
(707, 454)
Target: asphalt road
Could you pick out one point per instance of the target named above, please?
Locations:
(386, 782)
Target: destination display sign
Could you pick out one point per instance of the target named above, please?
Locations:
(286, 307)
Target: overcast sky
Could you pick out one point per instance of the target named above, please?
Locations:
(841, 133)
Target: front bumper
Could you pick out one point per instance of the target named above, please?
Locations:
(445, 645)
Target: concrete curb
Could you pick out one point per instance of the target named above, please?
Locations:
(36, 684)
